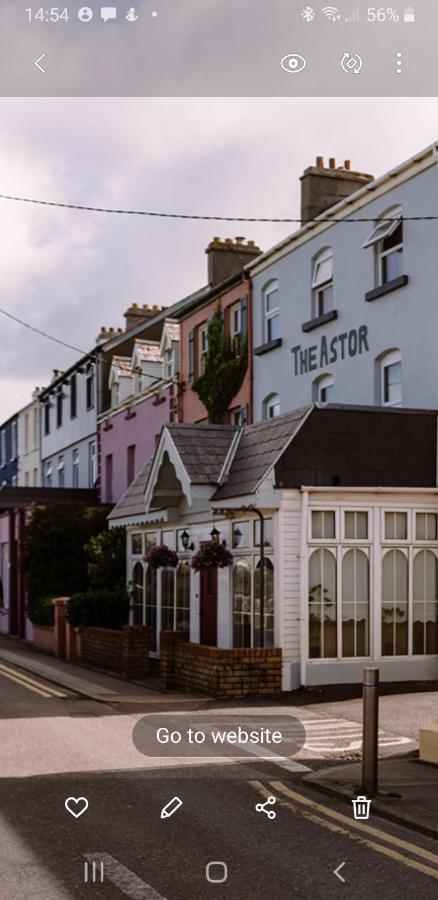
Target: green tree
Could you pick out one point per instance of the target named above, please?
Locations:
(106, 554)
(53, 556)
(225, 367)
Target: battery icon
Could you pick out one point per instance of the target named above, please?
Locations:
(409, 14)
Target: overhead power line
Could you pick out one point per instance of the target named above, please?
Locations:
(201, 218)
(49, 337)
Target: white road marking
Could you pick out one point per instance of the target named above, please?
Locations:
(337, 736)
(124, 879)
(290, 764)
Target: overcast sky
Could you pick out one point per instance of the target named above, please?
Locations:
(69, 272)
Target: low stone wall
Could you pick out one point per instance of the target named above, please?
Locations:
(125, 651)
(221, 673)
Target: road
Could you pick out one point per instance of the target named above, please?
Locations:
(295, 854)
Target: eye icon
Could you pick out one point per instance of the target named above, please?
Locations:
(293, 63)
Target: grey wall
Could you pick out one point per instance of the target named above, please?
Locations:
(406, 319)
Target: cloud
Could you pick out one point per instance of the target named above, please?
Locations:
(70, 272)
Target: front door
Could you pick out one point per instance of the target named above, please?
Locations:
(208, 608)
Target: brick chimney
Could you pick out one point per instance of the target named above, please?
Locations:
(137, 314)
(228, 257)
(323, 187)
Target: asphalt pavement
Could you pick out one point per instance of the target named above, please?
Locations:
(52, 749)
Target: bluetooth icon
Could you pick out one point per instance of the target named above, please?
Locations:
(308, 14)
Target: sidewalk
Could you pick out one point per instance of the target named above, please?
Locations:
(96, 685)
(408, 791)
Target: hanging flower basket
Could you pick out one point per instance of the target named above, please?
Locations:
(161, 557)
(211, 553)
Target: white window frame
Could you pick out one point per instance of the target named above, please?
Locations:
(423, 543)
(330, 542)
(272, 401)
(321, 283)
(357, 542)
(75, 467)
(321, 384)
(392, 358)
(397, 542)
(383, 229)
(274, 313)
(61, 469)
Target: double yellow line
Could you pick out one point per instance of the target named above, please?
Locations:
(19, 678)
(363, 834)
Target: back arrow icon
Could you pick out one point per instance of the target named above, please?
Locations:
(336, 872)
(37, 63)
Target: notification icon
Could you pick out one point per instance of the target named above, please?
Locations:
(108, 12)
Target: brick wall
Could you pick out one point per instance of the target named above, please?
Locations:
(223, 673)
(168, 642)
(125, 651)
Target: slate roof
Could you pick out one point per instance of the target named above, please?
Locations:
(172, 329)
(131, 503)
(259, 447)
(203, 449)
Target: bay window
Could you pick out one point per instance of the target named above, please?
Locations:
(395, 605)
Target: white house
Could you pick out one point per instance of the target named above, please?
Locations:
(29, 459)
(347, 498)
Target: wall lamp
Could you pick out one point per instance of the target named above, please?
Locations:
(185, 540)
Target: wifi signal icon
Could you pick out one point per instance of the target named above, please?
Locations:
(331, 13)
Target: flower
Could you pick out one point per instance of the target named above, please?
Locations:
(211, 553)
(161, 556)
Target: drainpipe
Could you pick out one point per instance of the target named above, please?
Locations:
(259, 513)
(250, 341)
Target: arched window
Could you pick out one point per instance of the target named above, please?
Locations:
(322, 283)
(183, 597)
(394, 604)
(387, 240)
(324, 389)
(355, 604)
(390, 378)
(322, 605)
(268, 604)
(271, 406)
(425, 603)
(167, 599)
(151, 605)
(137, 594)
(242, 604)
(271, 312)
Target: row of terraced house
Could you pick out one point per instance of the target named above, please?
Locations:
(316, 494)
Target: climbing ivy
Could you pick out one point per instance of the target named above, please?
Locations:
(225, 368)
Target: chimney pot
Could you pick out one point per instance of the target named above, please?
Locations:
(332, 163)
(347, 164)
(320, 162)
(240, 240)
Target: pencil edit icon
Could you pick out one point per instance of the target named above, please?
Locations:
(171, 807)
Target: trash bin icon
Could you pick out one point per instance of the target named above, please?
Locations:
(361, 808)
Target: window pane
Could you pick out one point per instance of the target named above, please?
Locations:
(242, 604)
(167, 599)
(136, 544)
(273, 328)
(394, 604)
(183, 597)
(137, 594)
(355, 604)
(240, 534)
(323, 524)
(168, 538)
(268, 605)
(151, 605)
(322, 605)
(392, 383)
(356, 526)
(267, 533)
(396, 526)
(425, 603)
(271, 300)
(426, 527)
(323, 270)
(150, 539)
(392, 265)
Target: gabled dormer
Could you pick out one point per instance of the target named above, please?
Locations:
(145, 364)
(121, 381)
(169, 348)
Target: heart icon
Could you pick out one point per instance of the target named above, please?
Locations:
(76, 806)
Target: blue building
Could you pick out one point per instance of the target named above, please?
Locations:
(9, 451)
